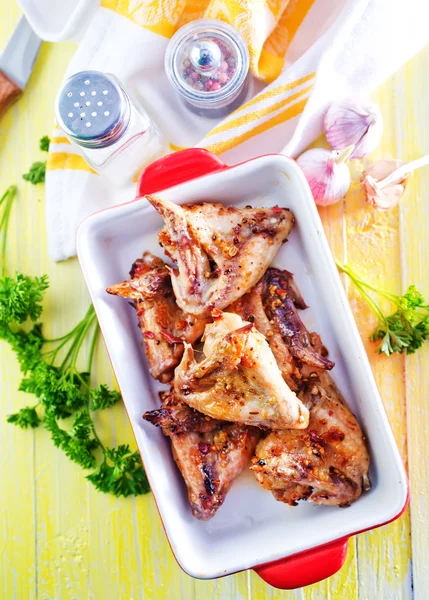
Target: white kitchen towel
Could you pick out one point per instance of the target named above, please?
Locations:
(304, 54)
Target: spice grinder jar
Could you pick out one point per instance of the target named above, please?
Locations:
(207, 63)
(112, 131)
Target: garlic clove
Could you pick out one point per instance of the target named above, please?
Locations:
(327, 174)
(376, 193)
(348, 122)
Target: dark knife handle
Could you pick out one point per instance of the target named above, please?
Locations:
(9, 91)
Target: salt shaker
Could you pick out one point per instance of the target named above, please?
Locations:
(112, 131)
(207, 63)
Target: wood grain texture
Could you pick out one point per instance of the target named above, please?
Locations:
(59, 538)
(9, 91)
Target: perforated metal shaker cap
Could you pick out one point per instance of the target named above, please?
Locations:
(93, 109)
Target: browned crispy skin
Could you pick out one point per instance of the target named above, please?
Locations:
(328, 462)
(209, 453)
(163, 324)
(325, 464)
(220, 251)
(272, 306)
(280, 298)
(238, 379)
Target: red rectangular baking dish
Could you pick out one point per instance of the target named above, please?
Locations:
(288, 547)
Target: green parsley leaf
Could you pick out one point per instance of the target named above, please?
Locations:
(20, 297)
(60, 393)
(44, 143)
(407, 328)
(77, 442)
(24, 418)
(36, 173)
(27, 346)
(102, 397)
(121, 473)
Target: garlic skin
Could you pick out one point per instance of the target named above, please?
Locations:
(327, 174)
(348, 122)
(382, 196)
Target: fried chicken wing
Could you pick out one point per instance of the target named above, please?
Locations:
(326, 464)
(209, 453)
(272, 306)
(163, 324)
(238, 378)
(220, 251)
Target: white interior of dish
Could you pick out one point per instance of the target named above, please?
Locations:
(251, 527)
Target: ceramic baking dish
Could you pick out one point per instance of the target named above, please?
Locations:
(288, 547)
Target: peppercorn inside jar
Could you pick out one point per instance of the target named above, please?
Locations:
(207, 63)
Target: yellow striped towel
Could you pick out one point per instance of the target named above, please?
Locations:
(304, 54)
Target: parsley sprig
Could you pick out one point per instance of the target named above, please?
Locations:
(37, 172)
(65, 400)
(407, 328)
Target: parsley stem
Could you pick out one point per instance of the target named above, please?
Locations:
(87, 322)
(356, 279)
(66, 337)
(8, 197)
(77, 339)
(93, 346)
(359, 284)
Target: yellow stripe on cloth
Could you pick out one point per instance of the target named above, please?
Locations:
(261, 112)
(271, 60)
(177, 148)
(159, 16)
(60, 140)
(268, 26)
(66, 161)
(285, 115)
(270, 93)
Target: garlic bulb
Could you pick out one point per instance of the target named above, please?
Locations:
(326, 173)
(348, 122)
(379, 196)
(384, 181)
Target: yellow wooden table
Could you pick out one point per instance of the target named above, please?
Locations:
(62, 540)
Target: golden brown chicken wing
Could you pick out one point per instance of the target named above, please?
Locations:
(163, 324)
(272, 306)
(238, 380)
(220, 251)
(326, 464)
(210, 454)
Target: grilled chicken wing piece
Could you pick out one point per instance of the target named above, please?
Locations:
(326, 464)
(209, 453)
(238, 380)
(220, 251)
(272, 306)
(163, 324)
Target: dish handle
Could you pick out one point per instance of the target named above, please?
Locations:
(177, 168)
(305, 568)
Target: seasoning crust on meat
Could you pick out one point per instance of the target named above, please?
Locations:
(238, 378)
(164, 326)
(210, 454)
(258, 390)
(328, 462)
(220, 251)
(325, 464)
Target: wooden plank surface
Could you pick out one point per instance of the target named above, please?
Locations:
(59, 538)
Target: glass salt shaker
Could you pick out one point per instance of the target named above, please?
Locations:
(207, 63)
(113, 132)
